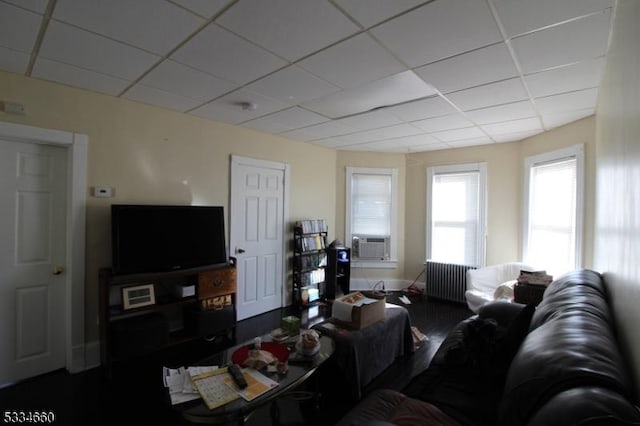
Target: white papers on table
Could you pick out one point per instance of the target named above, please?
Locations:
(178, 382)
(341, 310)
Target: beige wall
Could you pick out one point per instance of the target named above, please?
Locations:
(152, 155)
(370, 276)
(617, 230)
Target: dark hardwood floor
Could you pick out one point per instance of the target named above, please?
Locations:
(134, 394)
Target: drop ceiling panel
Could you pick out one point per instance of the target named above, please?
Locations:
(459, 134)
(447, 122)
(204, 8)
(396, 131)
(506, 112)
(225, 55)
(520, 16)
(141, 23)
(489, 95)
(371, 12)
(581, 99)
(523, 125)
(475, 68)
(282, 121)
(290, 29)
(361, 60)
(583, 75)
(561, 118)
(370, 120)
(152, 96)
(292, 85)
(18, 28)
(391, 90)
(229, 109)
(586, 38)
(38, 6)
(73, 46)
(13, 60)
(424, 108)
(463, 143)
(181, 80)
(78, 77)
(319, 131)
(438, 30)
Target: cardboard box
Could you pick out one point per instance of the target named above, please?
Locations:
(364, 315)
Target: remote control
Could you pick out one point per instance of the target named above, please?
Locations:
(237, 376)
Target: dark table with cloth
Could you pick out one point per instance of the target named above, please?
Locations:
(363, 354)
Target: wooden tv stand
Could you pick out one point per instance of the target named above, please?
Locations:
(152, 323)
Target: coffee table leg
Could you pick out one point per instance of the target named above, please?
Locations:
(275, 413)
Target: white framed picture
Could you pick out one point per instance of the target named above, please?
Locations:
(138, 295)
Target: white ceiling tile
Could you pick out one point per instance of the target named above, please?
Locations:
(506, 112)
(292, 85)
(13, 60)
(517, 136)
(582, 99)
(513, 126)
(459, 134)
(391, 90)
(319, 131)
(371, 12)
(370, 120)
(18, 28)
(481, 66)
(583, 75)
(225, 55)
(282, 121)
(176, 78)
(429, 147)
(38, 6)
(423, 108)
(229, 107)
(463, 143)
(396, 131)
(149, 95)
(520, 16)
(413, 140)
(205, 8)
(561, 118)
(489, 95)
(78, 77)
(361, 60)
(291, 29)
(445, 122)
(573, 41)
(438, 30)
(141, 23)
(73, 46)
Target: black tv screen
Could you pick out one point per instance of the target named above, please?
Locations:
(152, 238)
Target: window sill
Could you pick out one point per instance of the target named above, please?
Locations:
(374, 264)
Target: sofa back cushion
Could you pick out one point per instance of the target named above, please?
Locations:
(571, 344)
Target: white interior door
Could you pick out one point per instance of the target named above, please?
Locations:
(256, 236)
(32, 259)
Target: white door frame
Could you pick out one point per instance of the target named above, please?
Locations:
(76, 145)
(286, 168)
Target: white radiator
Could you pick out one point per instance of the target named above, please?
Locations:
(446, 281)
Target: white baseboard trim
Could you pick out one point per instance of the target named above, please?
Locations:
(369, 284)
(92, 355)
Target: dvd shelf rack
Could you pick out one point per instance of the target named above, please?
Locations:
(309, 261)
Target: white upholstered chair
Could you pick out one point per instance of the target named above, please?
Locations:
(491, 283)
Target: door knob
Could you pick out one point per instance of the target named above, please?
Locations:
(239, 250)
(58, 269)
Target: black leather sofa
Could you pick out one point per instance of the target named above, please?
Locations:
(557, 364)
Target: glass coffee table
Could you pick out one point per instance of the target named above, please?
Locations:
(300, 368)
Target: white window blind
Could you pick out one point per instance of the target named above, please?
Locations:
(551, 232)
(456, 214)
(371, 204)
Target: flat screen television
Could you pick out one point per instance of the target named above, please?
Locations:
(155, 238)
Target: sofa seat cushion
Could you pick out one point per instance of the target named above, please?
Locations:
(389, 407)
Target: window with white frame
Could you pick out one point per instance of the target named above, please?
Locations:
(371, 206)
(553, 210)
(456, 209)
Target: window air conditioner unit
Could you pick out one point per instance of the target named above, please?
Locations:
(370, 247)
